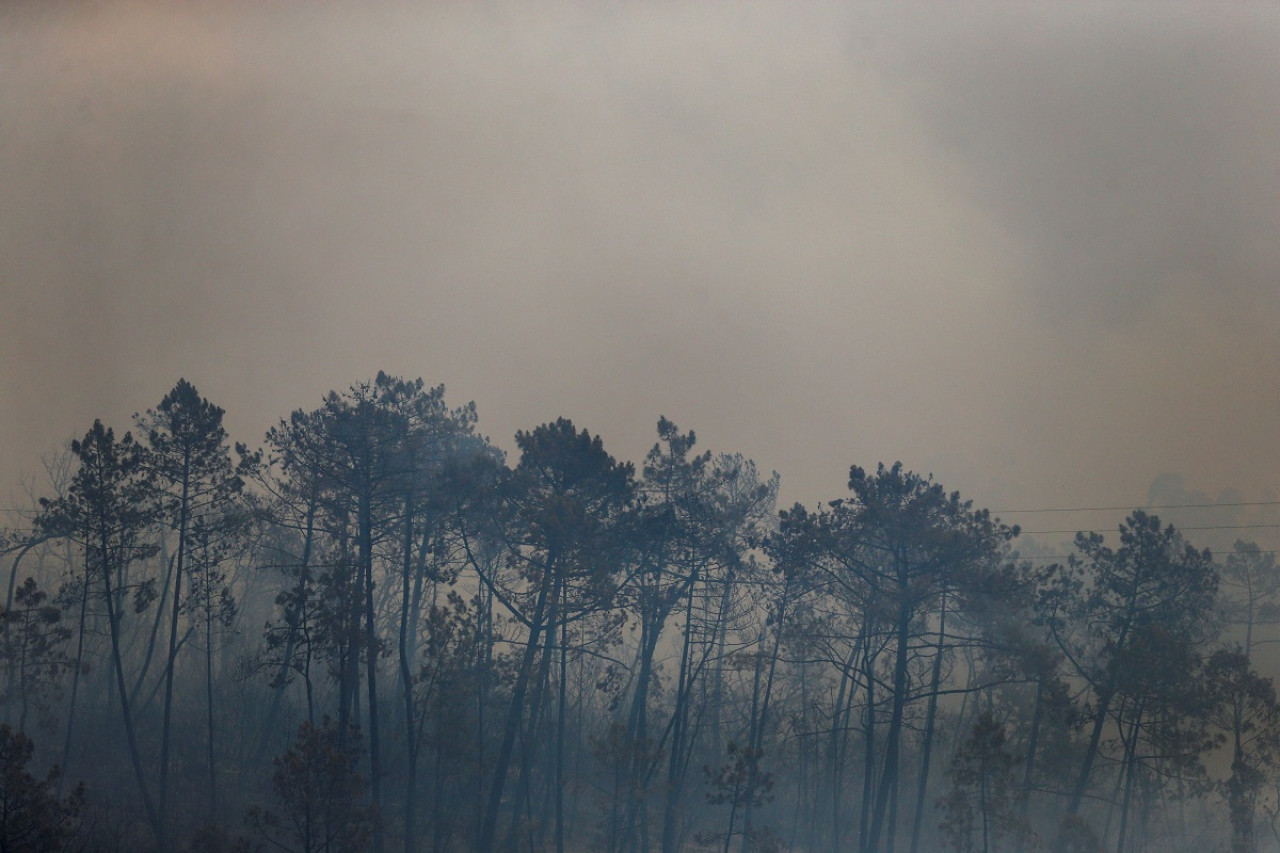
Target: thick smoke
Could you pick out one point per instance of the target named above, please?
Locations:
(1030, 249)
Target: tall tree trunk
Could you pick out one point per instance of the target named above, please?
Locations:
(489, 825)
(1240, 797)
(484, 667)
(418, 571)
(365, 510)
(11, 689)
(638, 758)
(562, 713)
(869, 752)
(887, 790)
(349, 583)
(304, 569)
(75, 676)
(842, 711)
(1091, 752)
(931, 714)
(760, 720)
(679, 724)
(152, 639)
(113, 621)
(984, 809)
(208, 685)
(720, 630)
(1028, 773)
(529, 739)
(184, 509)
(406, 680)
(1129, 769)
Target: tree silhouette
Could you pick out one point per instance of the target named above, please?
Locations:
(32, 817)
(1242, 707)
(196, 482)
(34, 661)
(322, 798)
(1117, 612)
(980, 807)
(559, 511)
(107, 508)
(739, 783)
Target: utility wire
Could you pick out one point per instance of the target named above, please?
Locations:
(1206, 527)
(1128, 508)
(1069, 556)
(1060, 509)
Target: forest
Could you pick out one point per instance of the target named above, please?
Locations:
(373, 631)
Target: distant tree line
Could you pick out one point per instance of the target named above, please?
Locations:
(378, 633)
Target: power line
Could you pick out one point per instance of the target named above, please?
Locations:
(1069, 556)
(1129, 508)
(1227, 505)
(1060, 509)
(1206, 527)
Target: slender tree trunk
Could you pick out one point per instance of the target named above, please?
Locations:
(733, 816)
(760, 721)
(489, 825)
(208, 685)
(1129, 769)
(1028, 773)
(931, 714)
(806, 784)
(184, 508)
(638, 758)
(1091, 752)
(349, 583)
(22, 676)
(11, 688)
(484, 666)
(306, 674)
(679, 723)
(371, 662)
(984, 806)
(524, 782)
(721, 629)
(869, 753)
(891, 821)
(159, 683)
(113, 622)
(889, 776)
(835, 748)
(1240, 800)
(413, 613)
(167, 562)
(842, 712)
(752, 757)
(13, 578)
(75, 676)
(558, 786)
(304, 569)
(406, 680)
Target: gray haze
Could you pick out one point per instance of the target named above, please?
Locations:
(1032, 249)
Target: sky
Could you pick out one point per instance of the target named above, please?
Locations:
(1030, 249)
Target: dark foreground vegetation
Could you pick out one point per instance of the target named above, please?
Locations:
(377, 633)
